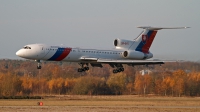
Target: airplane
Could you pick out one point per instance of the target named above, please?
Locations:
(129, 52)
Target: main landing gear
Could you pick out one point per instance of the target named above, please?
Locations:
(117, 70)
(84, 67)
(39, 64)
(118, 67)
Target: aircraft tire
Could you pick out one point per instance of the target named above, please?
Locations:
(119, 70)
(79, 70)
(122, 69)
(115, 71)
(83, 69)
(87, 68)
(39, 67)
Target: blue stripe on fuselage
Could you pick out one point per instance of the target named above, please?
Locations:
(57, 54)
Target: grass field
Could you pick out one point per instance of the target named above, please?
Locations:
(104, 103)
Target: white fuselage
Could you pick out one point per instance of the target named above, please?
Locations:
(60, 53)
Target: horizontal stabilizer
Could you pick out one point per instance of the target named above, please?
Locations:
(160, 28)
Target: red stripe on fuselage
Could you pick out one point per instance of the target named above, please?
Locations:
(145, 48)
(64, 54)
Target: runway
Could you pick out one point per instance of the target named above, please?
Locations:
(99, 108)
(102, 106)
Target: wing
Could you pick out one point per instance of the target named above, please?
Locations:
(133, 62)
(113, 61)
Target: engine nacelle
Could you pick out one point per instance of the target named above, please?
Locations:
(122, 43)
(136, 55)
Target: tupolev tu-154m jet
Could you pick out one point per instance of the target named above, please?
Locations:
(130, 52)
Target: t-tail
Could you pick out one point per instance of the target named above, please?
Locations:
(143, 42)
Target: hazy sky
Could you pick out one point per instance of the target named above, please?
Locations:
(96, 23)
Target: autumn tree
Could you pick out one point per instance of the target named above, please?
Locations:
(165, 85)
(180, 78)
(158, 86)
(43, 86)
(51, 85)
(138, 84)
(55, 71)
(171, 85)
(59, 84)
(143, 83)
(27, 84)
(20, 77)
(10, 84)
(117, 82)
(69, 84)
(193, 84)
(130, 87)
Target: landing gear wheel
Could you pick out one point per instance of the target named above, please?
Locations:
(39, 64)
(80, 70)
(87, 68)
(118, 70)
(115, 71)
(83, 68)
(39, 67)
(122, 69)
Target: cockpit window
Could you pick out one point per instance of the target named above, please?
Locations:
(26, 47)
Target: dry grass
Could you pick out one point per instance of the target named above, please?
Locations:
(104, 103)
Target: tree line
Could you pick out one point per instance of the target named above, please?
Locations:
(20, 77)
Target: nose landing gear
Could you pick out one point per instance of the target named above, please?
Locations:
(39, 67)
(39, 64)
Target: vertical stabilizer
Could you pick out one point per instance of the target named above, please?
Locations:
(143, 42)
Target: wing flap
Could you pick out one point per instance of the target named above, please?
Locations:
(88, 58)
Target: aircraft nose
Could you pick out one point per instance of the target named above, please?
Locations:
(19, 53)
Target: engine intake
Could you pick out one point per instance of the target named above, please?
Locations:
(115, 42)
(125, 54)
(122, 44)
(136, 55)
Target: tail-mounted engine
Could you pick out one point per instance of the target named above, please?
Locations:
(136, 55)
(121, 43)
